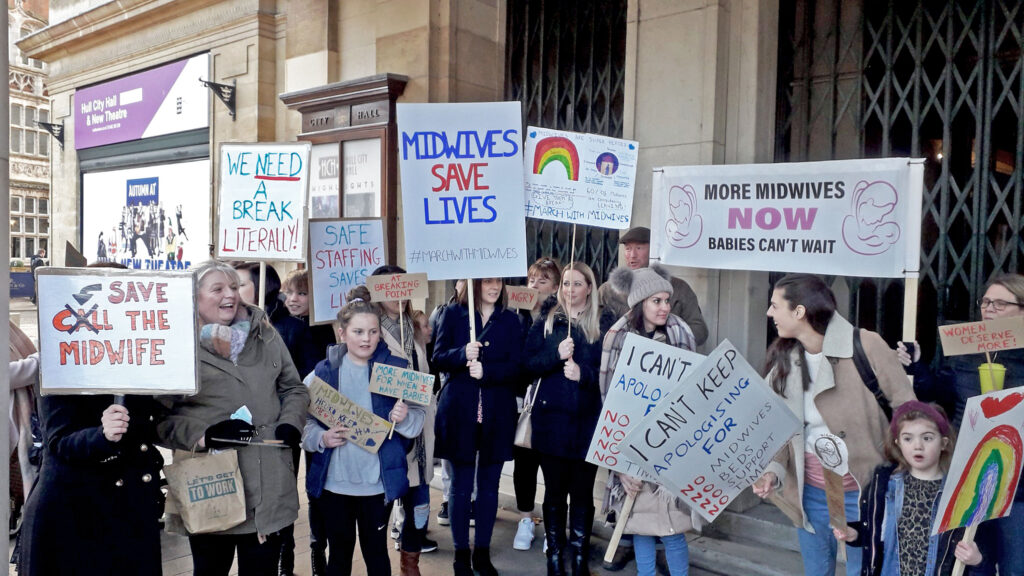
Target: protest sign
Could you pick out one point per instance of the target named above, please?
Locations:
(106, 331)
(521, 297)
(646, 372)
(462, 189)
(848, 217)
(393, 287)
(988, 336)
(986, 464)
(332, 408)
(342, 253)
(579, 178)
(262, 201)
(714, 435)
(401, 383)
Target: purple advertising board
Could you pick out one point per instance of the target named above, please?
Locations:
(162, 100)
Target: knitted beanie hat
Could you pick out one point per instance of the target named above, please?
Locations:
(641, 283)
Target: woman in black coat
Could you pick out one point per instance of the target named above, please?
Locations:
(565, 412)
(96, 506)
(476, 412)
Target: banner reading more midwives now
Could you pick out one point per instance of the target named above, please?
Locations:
(849, 217)
(462, 189)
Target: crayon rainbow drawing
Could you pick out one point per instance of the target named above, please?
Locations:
(986, 488)
(557, 149)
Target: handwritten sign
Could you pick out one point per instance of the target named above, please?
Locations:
(521, 297)
(392, 287)
(408, 385)
(714, 435)
(988, 336)
(342, 253)
(646, 372)
(262, 201)
(986, 465)
(462, 189)
(105, 331)
(579, 178)
(332, 408)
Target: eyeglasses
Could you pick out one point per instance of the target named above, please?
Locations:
(999, 305)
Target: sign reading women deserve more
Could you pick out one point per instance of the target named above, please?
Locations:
(462, 189)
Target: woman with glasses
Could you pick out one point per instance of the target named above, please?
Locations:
(956, 380)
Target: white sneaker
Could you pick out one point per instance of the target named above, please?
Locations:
(524, 535)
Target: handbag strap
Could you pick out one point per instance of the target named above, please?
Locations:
(528, 406)
(860, 359)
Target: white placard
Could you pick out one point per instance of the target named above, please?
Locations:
(462, 189)
(106, 331)
(846, 217)
(342, 254)
(261, 209)
(714, 435)
(579, 178)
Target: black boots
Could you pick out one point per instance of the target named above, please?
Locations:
(482, 562)
(554, 532)
(318, 557)
(581, 523)
(462, 566)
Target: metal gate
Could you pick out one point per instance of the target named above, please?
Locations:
(565, 61)
(941, 80)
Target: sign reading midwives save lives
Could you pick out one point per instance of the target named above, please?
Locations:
(262, 201)
(462, 189)
(849, 217)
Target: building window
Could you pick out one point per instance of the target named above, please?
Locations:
(30, 205)
(30, 225)
(30, 142)
(44, 206)
(15, 203)
(44, 115)
(44, 245)
(16, 224)
(30, 247)
(16, 114)
(44, 225)
(15, 247)
(16, 140)
(44, 144)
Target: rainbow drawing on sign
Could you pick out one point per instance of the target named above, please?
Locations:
(557, 149)
(989, 481)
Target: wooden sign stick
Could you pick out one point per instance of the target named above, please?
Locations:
(263, 282)
(836, 498)
(401, 332)
(958, 568)
(572, 256)
(472, 311)
(620, 525)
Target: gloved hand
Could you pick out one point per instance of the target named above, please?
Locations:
(288, 434)
(239, 430)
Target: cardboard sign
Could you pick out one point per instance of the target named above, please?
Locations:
(646, 372)
(332, 408)
(979, 337)
(462, 189)
(847, 217)
(521, 297)
(392, 287)
(986, 465)
(342, 253)
(714, 435)
(106, 331)
(407, 385)
(261, 211)
(579, 178)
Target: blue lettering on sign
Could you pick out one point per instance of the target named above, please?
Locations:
(429, 145)
(454, 210)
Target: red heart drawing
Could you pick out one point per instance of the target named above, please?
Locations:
(993, 407)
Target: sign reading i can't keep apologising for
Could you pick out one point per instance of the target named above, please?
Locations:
(262, 201)
(714, 435)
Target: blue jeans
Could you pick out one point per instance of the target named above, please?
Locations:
(486, 486)
(677, 554)
(819, 549)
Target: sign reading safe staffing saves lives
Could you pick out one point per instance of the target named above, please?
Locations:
(262, 201)
(462, 189)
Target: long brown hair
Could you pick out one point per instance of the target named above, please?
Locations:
(462, 297)
(819, 303)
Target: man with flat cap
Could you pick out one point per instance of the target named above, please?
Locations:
(638, 255)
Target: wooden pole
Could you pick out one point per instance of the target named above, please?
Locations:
(260, 297)
(620, 525)
(958, 568)
(910, 312)
(472, 310)
(401, 333)
(572, 257)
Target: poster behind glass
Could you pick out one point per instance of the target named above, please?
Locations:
(323, 181)
(361, 179)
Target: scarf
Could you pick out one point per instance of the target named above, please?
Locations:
(225, 341)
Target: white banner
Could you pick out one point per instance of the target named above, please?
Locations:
(342, 254)
(261, 210)
(846, 217)
(462, 189)
(714, 435)
(579, 178)
(106, 331)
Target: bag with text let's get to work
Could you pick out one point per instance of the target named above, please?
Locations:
(207, 490)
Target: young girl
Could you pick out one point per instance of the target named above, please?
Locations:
(355, 487)
(900, 504)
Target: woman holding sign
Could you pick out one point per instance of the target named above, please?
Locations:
(563, 350)
(476, 412)
(811, 366)
(655, 512)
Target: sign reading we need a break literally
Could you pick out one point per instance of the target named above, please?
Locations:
(262, 201)
(462, 189)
